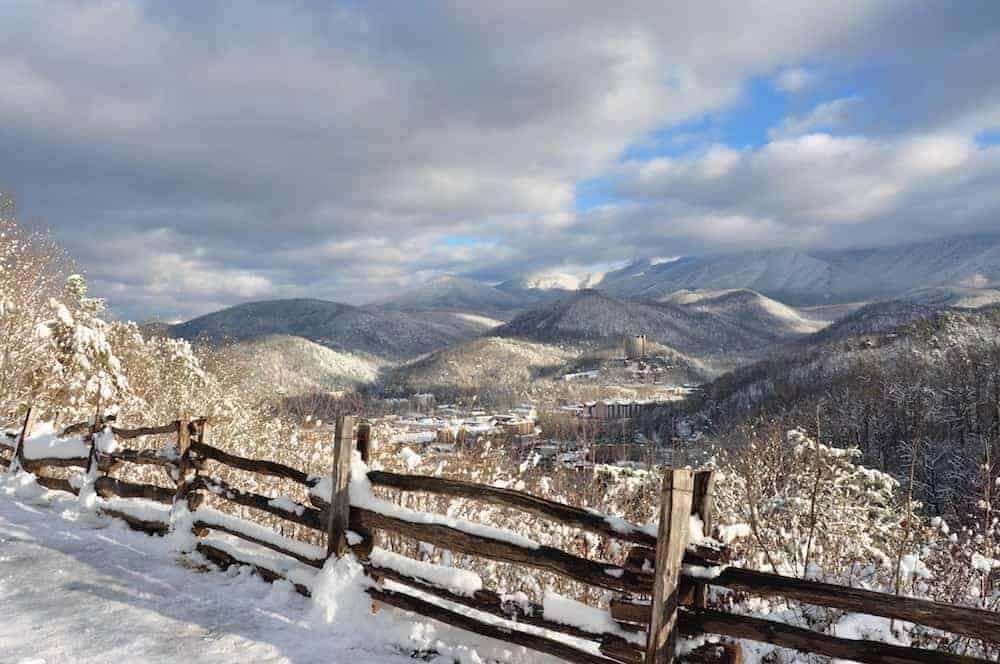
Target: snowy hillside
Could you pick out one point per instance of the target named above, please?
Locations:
(488, 363)
(875, 318)
(388, 335)
(804, 277)
(454, 294)
(778, 273)
(89, 591)
(749, 308)
(590, 318)
(959, 297)
(547, 281)
(296, 365)
(876, 336)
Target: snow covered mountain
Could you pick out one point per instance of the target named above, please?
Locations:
(959, 297)
(748, 308)
(479, 365)
(876, 337)
(449, 293)
(387, 335)
(552, 281)
(804, 277)
(297, 366)
(589, 318)
(875, 318)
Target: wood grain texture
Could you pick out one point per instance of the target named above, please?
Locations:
(976, 623)
(675, 513)
(603, 575)
(566, 514)
(703, 506)
(110, 486)
(339, 514)
(270, 468)
(309, 516)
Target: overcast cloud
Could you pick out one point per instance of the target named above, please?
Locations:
(192, 155)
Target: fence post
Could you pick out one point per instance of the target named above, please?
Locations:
(340, 497)
(183, 456)
(29, 423)
(365, 441)
(93, 457)
(364, 549)
(702, 506)
(675, 512)
(197, 497)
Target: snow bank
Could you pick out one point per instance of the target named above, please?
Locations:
(44, 443)
(158, 606)
(139, 508)
(247, 552)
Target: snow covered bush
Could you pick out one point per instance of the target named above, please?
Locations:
(814, 511)
(32, 270)
(83, 372)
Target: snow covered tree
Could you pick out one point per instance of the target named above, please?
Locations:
(85, 372)
(32, 270)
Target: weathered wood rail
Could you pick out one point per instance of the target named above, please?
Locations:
(660, 590)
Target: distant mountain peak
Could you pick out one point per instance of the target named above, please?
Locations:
(803, 277)
(454, 293)
(552, 280)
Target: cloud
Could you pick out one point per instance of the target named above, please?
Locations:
(828, 115)
(192, 155)
(801, 191)
(794, 80)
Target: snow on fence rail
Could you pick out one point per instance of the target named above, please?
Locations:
(661, 613)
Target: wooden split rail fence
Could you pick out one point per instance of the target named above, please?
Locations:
(661, 591)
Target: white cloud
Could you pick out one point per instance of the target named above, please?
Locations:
(828, 115)
(794, 79)
(329, 150)
(797, 191)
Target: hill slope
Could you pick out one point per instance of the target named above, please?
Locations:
(959, 297)
(803, 277)
(388, 335)
(295, 365)
(749, 308)
(875, 318)
(449, 293)
(588, 318)
(875, 336)
(479, 365)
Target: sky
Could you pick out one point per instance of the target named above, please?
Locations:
(192, 155)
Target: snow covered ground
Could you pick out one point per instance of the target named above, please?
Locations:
(76, 587)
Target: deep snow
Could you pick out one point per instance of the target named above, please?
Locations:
(77, 587)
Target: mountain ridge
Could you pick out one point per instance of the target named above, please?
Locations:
(386, 335)
(811, 277)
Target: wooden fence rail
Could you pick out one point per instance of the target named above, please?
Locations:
(660, 590)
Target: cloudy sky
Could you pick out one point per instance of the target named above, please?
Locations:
(196, 154)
